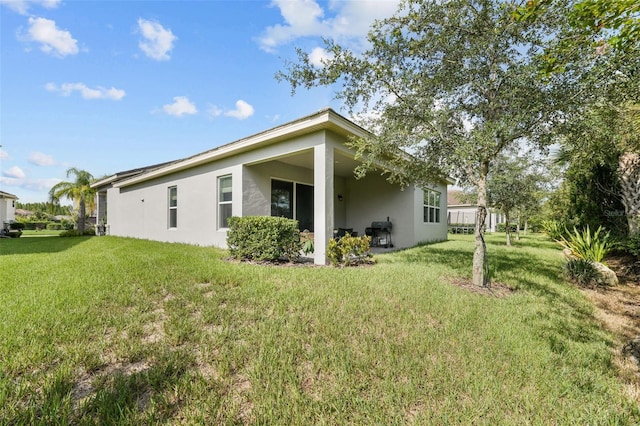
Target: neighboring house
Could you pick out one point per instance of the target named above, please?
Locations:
(7, 207)
(301, 170)
(461, 217)
(24, 213)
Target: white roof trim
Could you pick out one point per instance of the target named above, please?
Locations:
(8, 196)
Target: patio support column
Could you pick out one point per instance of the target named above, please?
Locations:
(323, 200)
(101, 212)
(101, 207)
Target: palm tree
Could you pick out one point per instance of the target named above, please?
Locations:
(79, 190)
(629, 168)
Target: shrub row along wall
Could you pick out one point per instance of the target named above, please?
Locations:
(33, 225)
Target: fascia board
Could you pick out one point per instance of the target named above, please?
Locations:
(104, 181)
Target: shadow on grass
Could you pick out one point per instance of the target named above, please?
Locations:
(11, 246)
(124, 396)
(118, 396)
(460, 260)
(537, 241)
(566, 317)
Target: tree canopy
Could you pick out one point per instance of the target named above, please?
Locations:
(602, 182)
(598, 44)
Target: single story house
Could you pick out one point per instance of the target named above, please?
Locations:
(461, 217)
(302, 170)
(7, 207)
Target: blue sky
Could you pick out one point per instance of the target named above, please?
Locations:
(107, 86)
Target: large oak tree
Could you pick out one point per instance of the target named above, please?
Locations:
(453, 83)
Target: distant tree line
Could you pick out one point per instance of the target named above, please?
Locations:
(45, 209)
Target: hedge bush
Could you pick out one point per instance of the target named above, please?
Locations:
(349, 250)
(16, 226)
(74, 233)
(34, 225)
(502, 227)
(263, 238)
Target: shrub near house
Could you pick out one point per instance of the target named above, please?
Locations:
(264, 238)
(349, 251)
(11, 229)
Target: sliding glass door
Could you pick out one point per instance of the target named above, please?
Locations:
(294, 201)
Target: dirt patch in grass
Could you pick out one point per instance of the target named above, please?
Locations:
(496, 289)
(412, 412)
(241, 389)
(618, 308)
(154, 331)
(85, 385)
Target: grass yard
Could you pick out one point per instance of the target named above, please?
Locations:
(112, 330)
(42, 233)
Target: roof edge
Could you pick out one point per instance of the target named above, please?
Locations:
(324, 118)
(8, 195)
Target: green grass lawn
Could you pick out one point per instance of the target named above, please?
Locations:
(110, 330)
(43, 233)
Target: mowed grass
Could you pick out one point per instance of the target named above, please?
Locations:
(42, 233)
(106, 330)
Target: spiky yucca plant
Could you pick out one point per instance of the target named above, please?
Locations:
(585, 245)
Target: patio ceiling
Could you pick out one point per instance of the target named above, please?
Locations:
(343, 163)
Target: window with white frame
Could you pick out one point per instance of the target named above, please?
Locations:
(173, 207)
(431, 206)
(225, 195)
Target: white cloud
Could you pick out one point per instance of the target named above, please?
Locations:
(354, 18)
(180, 107)
(301, 17)
(22, 6)
(86, 92)
(319, 57)
(214, 111)
(243, 110)
(3, 154)
(40, 159)
(305, 18)
(157, 42)
(52, 39)
(37, 185)
(14, 172)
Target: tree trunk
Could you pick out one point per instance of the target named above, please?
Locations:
(507, 228)
(518, 229)
(480, 260)
(629, 171)
(81, 215)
